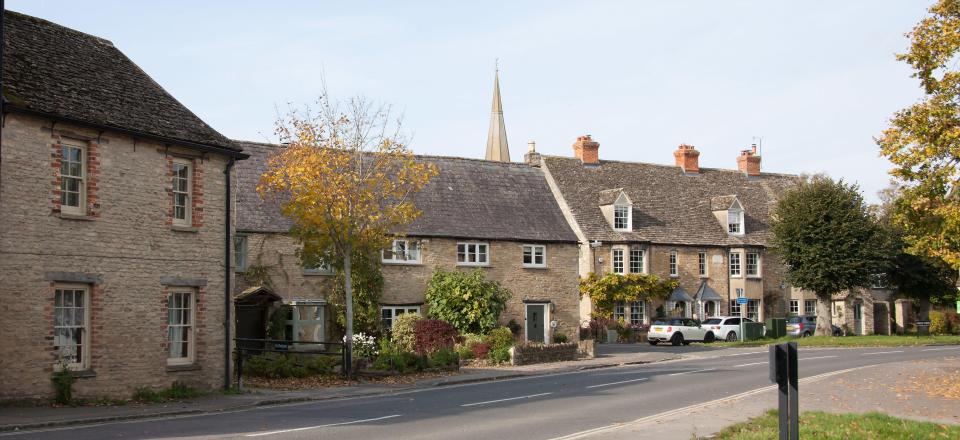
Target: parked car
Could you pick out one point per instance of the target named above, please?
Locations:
(725, 328)
(806, 325)
(678, 331)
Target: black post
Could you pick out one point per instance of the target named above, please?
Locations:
(778, 375)
(794, 393)
(239, 369)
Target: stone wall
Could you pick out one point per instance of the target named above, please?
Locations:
(539, 354)
(123, 251)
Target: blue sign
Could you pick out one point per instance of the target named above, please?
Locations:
(742, 301)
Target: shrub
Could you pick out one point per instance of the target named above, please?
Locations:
(499, 338)
(514, 327)
(559, 338)
(63, 383)
(468, 301)
(464, 351)
(266, 365)
(480, 350)
(939, 324)
(434, 334)
(443, 357)
(177, 391)
(364, 346)
(954, 321)
(402, 362)
(500, 355)
(402, 336)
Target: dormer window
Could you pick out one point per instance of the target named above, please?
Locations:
(729, 212)
(617, 209)
(621, 217)
(735, 221)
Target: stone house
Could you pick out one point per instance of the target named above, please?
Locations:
(113, 222)
(707, 228)
(494, 216)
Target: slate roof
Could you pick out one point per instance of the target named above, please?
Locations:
(706, 293)
(669, 207)
(60, 72)
(469, 198)
(679, 295)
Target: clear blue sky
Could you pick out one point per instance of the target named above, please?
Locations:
(817, 80)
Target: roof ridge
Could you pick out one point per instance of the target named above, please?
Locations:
(45, 22)
(726, 170)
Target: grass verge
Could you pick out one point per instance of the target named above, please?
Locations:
(852, 341)
(820, 425)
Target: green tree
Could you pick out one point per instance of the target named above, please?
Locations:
(606, 291)
(345, 179)
(367, 282)
(923, 140)
(466, 300)
(829, 241)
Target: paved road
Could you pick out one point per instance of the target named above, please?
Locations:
(530, 408)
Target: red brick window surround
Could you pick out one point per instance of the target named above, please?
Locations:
(185, 192)
(73, 311)
(76, 177)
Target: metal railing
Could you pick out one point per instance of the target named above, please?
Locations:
(287, 347)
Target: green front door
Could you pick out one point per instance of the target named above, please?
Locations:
(535, 322)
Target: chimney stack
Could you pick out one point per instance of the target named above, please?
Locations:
(749, 162)
(532, 158)
(688, 158)
(587, 150)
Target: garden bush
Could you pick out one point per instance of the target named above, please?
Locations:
(402, 335)
(480, 350)
(444, 357)
(289, 365)
(434, 334)
(939, 325)
(500, 355)
(559, 338)
(468, 301)
(402, 362)
(499, 337)
(364, 346)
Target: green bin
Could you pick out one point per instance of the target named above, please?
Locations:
(752, 330)
(776, 328)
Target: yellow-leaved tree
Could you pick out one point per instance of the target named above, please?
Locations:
(345, 178)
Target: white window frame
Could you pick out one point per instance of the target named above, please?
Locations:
(754, 304)
(756, 265)
(532, 251)
(735, 308)
(622, 211)
(638, 309)
(187, 220)
(240, 243)
(642, 261)
(322, 268)
(402, 251)
(702, 265)
(807, 310)
(674, 264)
(295, 322)
(393, 314)
(81, 208)
(617, 258)
(190, 323)
(83, 358)
(794, 307)
(464, 253)
(735, 220)
(736, 268)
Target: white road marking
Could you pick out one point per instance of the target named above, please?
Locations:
(938, 349)
(616, 383)
(818, 357)
(884, 352)
(748, 365)
(713, 403)
(504, 400)
(691, 372)
(259, 434)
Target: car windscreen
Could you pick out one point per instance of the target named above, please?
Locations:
(711, 321)
(793, 319)
(661, 322)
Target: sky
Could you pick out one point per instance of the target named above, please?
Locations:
(816, 81)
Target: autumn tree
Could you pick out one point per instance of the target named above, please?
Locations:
(829, 241)
(345, 179)
(923, 140)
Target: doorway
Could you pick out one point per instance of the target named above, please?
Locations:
(536, 320)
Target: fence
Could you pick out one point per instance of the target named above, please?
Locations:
(247, 346)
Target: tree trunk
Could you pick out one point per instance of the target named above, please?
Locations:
(348, 302)
(824, 315)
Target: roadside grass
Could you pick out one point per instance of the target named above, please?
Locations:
(820, 425)
(851, 341)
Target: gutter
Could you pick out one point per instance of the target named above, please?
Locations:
(228, 267)
(168, 140)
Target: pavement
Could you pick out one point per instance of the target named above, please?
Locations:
(17, 418)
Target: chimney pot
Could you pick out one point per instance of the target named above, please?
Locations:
(749, 162)
(531, 146)
(587, 150)
(687, 158)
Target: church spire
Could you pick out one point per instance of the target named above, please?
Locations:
(497, 136)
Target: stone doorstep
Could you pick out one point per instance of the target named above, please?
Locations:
(269, 401)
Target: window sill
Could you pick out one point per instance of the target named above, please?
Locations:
(318, 274)
(171, 368)
(472, 265)
(80, 217)
(674, 276)
(535, 267)
(401, 263)
(704, 277)
(754, 277)
(184, 228)
(83, 374)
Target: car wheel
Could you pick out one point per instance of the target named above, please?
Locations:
(805, 334)
(732, 337)
(652, 342)
(677, 339)
(709, 338)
